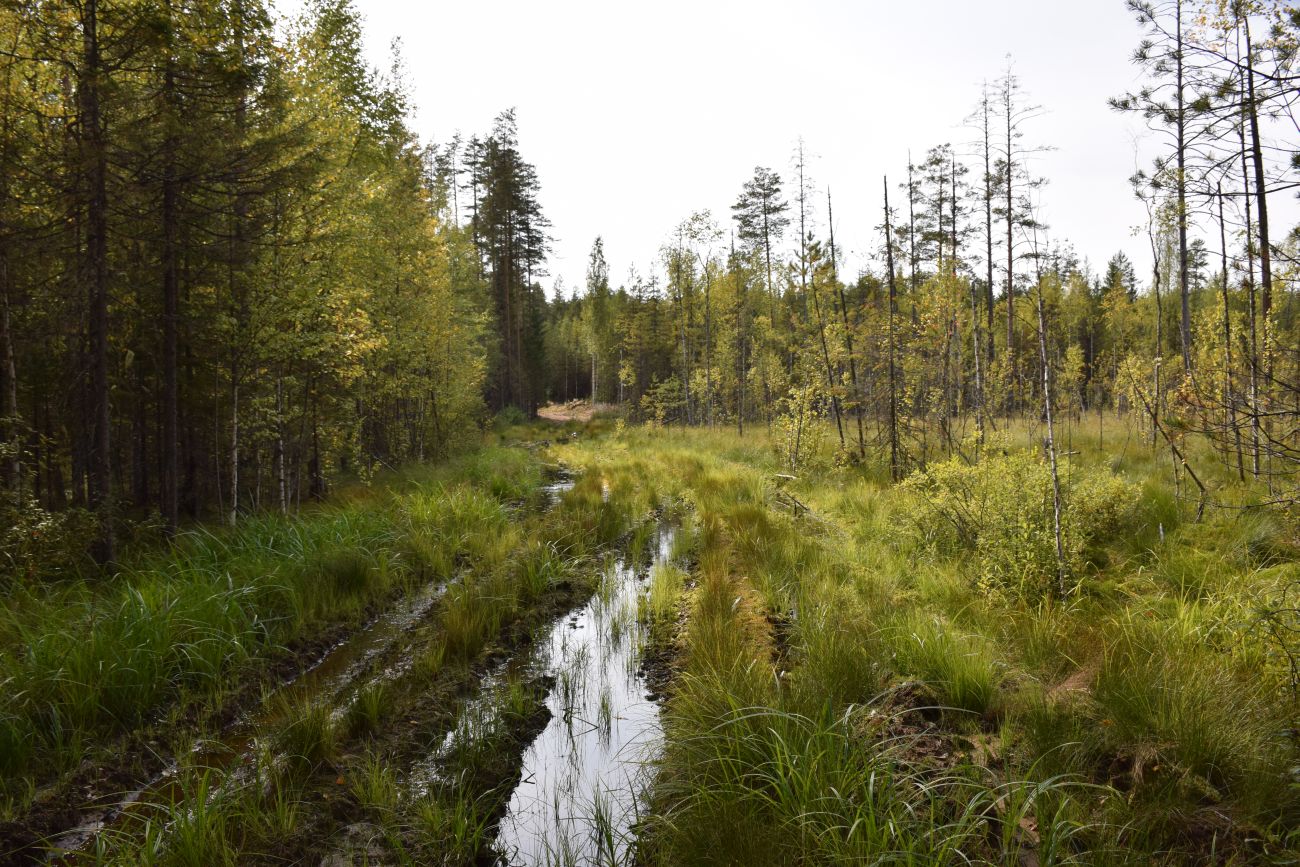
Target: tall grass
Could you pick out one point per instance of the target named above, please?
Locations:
(83, 660)
(1140, 719)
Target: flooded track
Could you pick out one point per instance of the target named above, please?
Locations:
(383, 650)
(585, 775)
(332, 679)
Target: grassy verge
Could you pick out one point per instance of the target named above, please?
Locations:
(83, 662)
(873, 672)
(415, 768)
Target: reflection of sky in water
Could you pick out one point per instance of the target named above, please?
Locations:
(591, 757)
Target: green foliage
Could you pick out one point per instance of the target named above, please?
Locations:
(1000, 510)
(368, 710)
(962, 669)
(39, 544)
(308, 736)
(85, 660)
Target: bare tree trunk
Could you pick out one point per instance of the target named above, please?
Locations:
(979, 378)
(1180, 126)
(848, 331)
(742, 332)
(1261, 199)
(233, 514)
(911, 227)
(12, 471)
(708, 342)
(170, 495)
(1155, 285)
(895, 470)
(11, 474)
(1011, 274)
(686, 357)
(1265, 252)
(94, 152)
(281, 479)
(1061, 576)
(826, 359)
(988, 227)
(1253, 319)
(1229, 396)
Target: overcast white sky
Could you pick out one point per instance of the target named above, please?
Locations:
(637, 114)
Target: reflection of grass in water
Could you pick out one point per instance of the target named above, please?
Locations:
(588, 834)
(622, 624)
(572, 680)
(605, 716)
(610, 577)
(603, 835)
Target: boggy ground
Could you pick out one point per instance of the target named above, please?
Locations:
(853, 671)
(239, 771)
(859, 672)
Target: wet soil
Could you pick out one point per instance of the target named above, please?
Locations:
(139, 769)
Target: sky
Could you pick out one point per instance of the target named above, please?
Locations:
(638, 114)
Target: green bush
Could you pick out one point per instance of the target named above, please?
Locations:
(1000, 509)
(37, 544)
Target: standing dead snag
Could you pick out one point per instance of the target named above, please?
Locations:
(894, 470)
(1061, 577)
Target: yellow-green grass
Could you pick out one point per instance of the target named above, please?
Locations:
(1140, 718)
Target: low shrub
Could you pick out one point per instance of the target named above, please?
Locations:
(36, 544)
(1000, 509)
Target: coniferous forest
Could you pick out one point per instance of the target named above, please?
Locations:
(335, 529)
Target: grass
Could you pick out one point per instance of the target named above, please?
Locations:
(369, 709)
(307, 736)
(1141, 719)
(504, 571)
(375, 787)
(659, 605)
(451, 826)
(83, 661)
(849, 684)
(961, 669)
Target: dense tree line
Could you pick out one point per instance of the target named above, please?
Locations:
(976, 316)
(225, 274)
(229, 272)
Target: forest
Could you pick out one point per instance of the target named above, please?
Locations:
(335, 529)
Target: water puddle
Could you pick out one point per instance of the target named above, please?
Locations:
(585, 774)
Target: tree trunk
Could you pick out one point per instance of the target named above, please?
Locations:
(988, 229)
(1229, 396)
(95, 160)
(1061, 586)
(1011, 274)
(895, 470)
(848, 332)
(9, 423)
(281, 478)
(1180, 125)
(1250, 298)
(170, 446)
